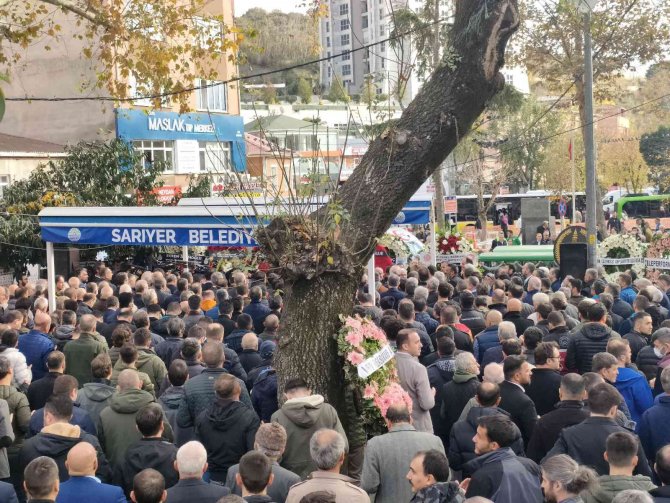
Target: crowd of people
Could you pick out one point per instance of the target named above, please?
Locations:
(524, 387)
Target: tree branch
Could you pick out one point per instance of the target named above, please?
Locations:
(94, 16)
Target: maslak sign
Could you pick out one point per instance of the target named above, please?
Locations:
(144, 236)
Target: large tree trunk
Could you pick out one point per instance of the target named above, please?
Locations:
(322, 257)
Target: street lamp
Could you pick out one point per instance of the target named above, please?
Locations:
(586, 7)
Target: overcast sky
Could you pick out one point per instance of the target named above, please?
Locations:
(241, 6)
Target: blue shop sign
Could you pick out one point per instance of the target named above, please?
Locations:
(132, 124)
(150, 236)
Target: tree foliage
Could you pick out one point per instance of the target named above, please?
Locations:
(655, 148)
(163, 45)
(621, 163)
(304, 89)
(92, 174)
(337, 92)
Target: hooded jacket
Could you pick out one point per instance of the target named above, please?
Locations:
(461, 446)
(170, 401)
(635, 390)
(611, 485)
(264, 394)
(120, 366)
(153, 453)
(454, 395)
(504, 477)
(117, 430)
(55, 441)
(301, 417)
(439, 374)
(590, 339)
(441, 492)
(22, 374)
(20, 411)
(227, 429)
(149, 363)
(95, 396)
(62, 335)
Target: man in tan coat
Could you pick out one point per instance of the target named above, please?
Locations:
(327, 448)
(414, 378)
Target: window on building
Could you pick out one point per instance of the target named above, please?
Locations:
(157, 151)
(212, 95)
(327, 25)
(327, 41)
(4, 182)
(214, 157)
(346, 69)
(382, 47)
(344, 39)
(364, 6)
(344, 24)
(136, 90)
(382, 31)
(344, 9)
(509, 79)
(346, 56)
(364, 22)
(383, 63)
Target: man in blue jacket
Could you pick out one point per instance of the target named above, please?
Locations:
(83, 486)
(488, 338)
(257, 309)
(36, 345)
(628, 293)
(632, 385)
(653, 427)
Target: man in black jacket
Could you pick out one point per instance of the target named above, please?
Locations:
(569, 412)
(590, 339)
(470, 316)
(227, 428)
(40, 390)
(662, 468)
(440, 373)
(58, 437)
(513, 314)
(513, 396)
(620, 307)
(151, 451)
(545, 381)
(497, 470)
(461, 444)
(585, 442)
(639, 336)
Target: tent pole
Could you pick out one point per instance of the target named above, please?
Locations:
(51, 277)
(184, 256)
(372, 286)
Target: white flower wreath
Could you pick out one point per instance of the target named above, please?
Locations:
(622, 246)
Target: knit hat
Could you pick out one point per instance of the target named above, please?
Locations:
(271, 439)
(267, 350)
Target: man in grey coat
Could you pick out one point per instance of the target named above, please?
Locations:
(414, 378)
(387, 457)
(271, 441)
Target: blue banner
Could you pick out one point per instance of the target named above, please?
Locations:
(150, 236)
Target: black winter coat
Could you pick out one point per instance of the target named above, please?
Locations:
(592, 338)
(250, 359)
(461, 446)
(550, 426)
(543, 390)
(227, 429)
(647, 362)
(153, 453)
(439, 374)
(636, 341)
(520, 407)
(454, 397)
(264, 394)
(520, 323)
(585, 443)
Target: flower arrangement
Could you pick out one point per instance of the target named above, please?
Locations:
(659, 248)
(452, 241)
(357, 340)
(622, 246)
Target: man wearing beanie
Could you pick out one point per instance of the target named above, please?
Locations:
(264, 392)
(271, 441)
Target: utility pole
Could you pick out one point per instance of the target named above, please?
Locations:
(438, 203)
(586, 7)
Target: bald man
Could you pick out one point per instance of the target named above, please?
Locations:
(36, 345)
(488, 338)
(249, 357)
(82, 486)
(498, 301)
(513, 314)
(271, 325)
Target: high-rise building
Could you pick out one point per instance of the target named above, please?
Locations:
(353, 24)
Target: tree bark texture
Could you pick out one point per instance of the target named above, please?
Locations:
(323, 270)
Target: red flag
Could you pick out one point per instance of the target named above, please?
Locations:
(570, 150)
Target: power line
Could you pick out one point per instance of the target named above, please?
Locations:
(233, 79)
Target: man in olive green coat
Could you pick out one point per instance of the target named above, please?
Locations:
(79, 353)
